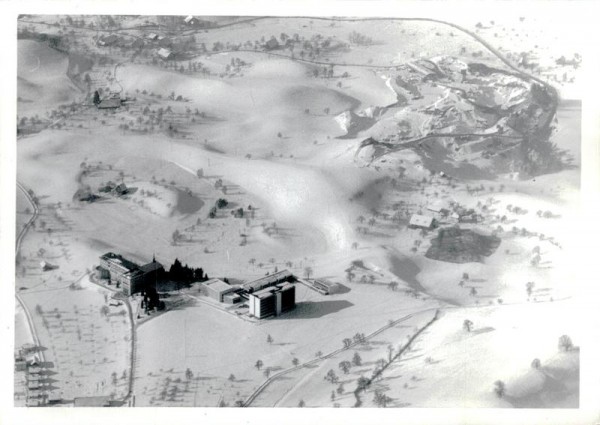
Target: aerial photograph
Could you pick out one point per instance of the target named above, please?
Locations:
(305, 212)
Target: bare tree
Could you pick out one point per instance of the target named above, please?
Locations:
(308, 271)
(467, 325)
(331, 377)
(499, 388)
(565, 343)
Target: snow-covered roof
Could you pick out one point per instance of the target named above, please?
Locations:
(437, 206)
(421, 220)
(218, 286)
(164, 53)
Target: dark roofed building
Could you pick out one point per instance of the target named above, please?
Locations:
(110, 103)
(109, 40)
(121, 189)
(126, 274)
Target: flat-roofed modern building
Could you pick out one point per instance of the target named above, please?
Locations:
(272, 300)
(324, 286)
(270, 280)
(216, 289)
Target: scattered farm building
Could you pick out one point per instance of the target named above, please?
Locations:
(438, 208)
(131, 277)
(121, 189)
(218, 290)
(421, 221)
(109, 40)
(190, 20)
(109, 103)
(266, 281)
(46, 266)
(164, 53)
(272, 300)
(152, 36)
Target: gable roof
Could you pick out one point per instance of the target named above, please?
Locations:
(151, 267)
(164, 53)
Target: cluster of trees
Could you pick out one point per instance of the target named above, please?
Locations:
(359, 39)
(220, 204)
(151, 300)
(544, 214)
(381, 399)
(184, 274)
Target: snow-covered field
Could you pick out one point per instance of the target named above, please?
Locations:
(268, 139)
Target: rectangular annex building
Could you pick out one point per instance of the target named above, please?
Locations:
(421, 221)
(272, 279)
(272, 300)
(216, 289)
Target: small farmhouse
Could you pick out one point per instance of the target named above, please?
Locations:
(109, 40)
(190, 20)
(164, 53)
(109, 103)
(421, 221)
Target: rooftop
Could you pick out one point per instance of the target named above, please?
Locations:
(151, 266)
(109, 103)
(164, 53)
(421, 220)
(326, 283)
(218, 285)
(267, 280)
(119, 259)
(267, 292)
